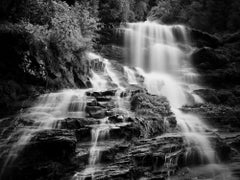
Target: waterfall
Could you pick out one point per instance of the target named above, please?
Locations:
(157, 52)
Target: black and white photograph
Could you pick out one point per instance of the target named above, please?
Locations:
(119, 89)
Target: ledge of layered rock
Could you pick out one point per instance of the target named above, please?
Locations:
(113, 52)
(202, 39)
(102, 93)
(48, 155)
(222, 96)
(208, 58)
(225, 118)
(218, 67)
(143, 158)
(51, 144)
(232, 38)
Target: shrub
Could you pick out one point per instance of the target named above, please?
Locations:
(72, 28)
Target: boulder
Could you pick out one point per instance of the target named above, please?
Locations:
(208, 95)
(113, 52)
(202, 39)
(58, 145)
(208, 58)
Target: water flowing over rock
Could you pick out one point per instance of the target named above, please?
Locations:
(131, 123)
(155, 49)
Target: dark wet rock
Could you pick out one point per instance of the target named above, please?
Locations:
(48, 155)
(143, 158)
(134, 89)
(92, 103)
(97, 65)
(223, 117)
(232, 38)
(71, 124)
(223, 149)
(92, 109)
(125, 131)
(208, 95)
(219, 66)
(83, 134)
(102, 93)
(208, 58)
(51, 144)
(113, 52)
(99, 114)
(157, 104)
(172, 121)
(151, 153)
(222, 96)
(108, 104)
(76, 123)
(150, 111)
(104, 98)
(37, 170)
(202, 39)
(116, 119)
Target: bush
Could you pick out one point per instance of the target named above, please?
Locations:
(72, 28)
(207, 15)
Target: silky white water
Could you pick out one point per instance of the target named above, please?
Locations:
(156, 52)
(47, 113)
(98, 133)
(130, 75)
(156, 49)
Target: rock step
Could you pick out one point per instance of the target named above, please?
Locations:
(107, 148)
(102, 93)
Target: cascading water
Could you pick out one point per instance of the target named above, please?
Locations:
(160, 54)
(99, 133)
(158, 50)
(130, 75)
(47, 113)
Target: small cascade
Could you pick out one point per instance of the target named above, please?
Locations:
(112, 74)
(194, 130)
(98, 82)
(45, 114)
(130, 75)
(99, 133)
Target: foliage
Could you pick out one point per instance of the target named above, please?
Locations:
(208, 15)
(34, 11)
(71, 28)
